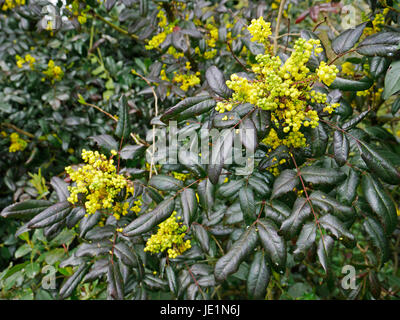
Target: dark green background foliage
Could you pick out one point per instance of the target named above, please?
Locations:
(257, 236)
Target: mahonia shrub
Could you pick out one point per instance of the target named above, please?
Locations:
(308, 102)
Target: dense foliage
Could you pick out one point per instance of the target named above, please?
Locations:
(305, 94)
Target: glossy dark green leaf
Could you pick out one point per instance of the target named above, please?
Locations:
(100, 233)
(115, 284)
(147, 221)
(258, 278)
(69, 286)
(305, 240)
(201, 234)
(106, 141)
(324, 251)
(165, 183)
(333, 225)
(93, 249)
(328, 204)
(25, 209)
(378, 65)
(273, 244)
(319, 140)
(248, 134)
(380, 202)
(221, 152)
(189, 205)
(379, 164)
(347, 190)
(380, 44)
(247, 204)
(274, 157)
(347, 39)
(126, 254)
(259, 186)
(322, 176)
(341, 147)
(286, 182)
(123, 128)
(216, 80)
(174, 111)
(276, 211)
(262, 122)
(378, 238)
(230, 188)
(392, 80)
(206, 192)
(51, 215)
(354, 121)
(172, 282)
(300, 212)
(220, 121)
(88, 222)
(229, 263)
(61, 188)
(132, 152)
(351, 85)
(396, 106)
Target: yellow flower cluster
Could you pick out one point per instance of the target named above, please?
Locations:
(282, 89)
(99, 183)
(180, 176)
(186, 80)
(348, 68)
(137, 207)
(169, 236)
(159, 38)
(53, 72)
(213, 37)
(377, 23)
(327, 73)
(11, 4)
(77, 12)
(17, 144)
(172, 51)
(260, 30)
(28, 59)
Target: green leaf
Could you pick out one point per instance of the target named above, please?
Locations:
(189, 205)
(22, 250)
(305, 241)
(392, 80)
(347, 39)
(322, 176)
(396, 106)
(347, 190)
(73, 281)
(115, 283)
(202, 237)
(258, 278)
(380, 202)
(378, 238)
(319, 140)
(93, 249)
(380, 44)
(221, 151)
(377, 66)
(328, 204)
(105, 141)
(341, 147)
(132, 152)
(335, 227)
(230, 188)
(126, 255)
(379, 164)
(220, 123)
(248, 134)
(123, 128)
(276, 211)
(274, 157)
(216, 80)
(286, 182)
(172, 282)
(165, 183)
(324, 251)
(51, 215)
(185, 104)
(262, 122)
(273, 244)
(197, 110)
(229, 263)
(259, 186)
(354, 121)
(206, 192)
(301, 211)
(61, 188)
(147, 221)
(247, 204)
(88, 222)
(351, 85)
(25, 209)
